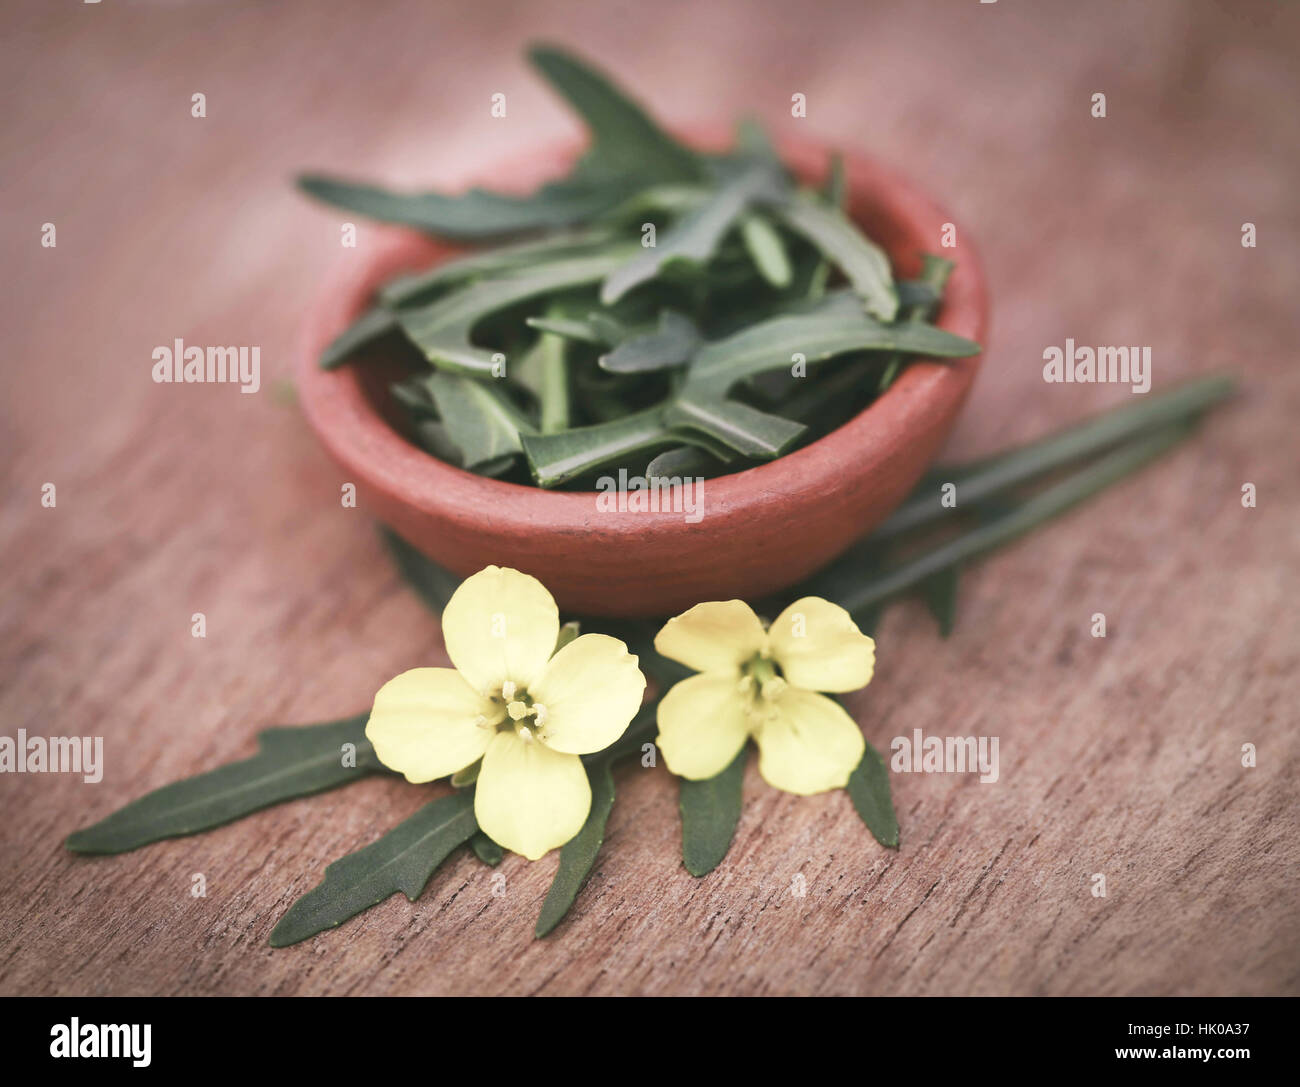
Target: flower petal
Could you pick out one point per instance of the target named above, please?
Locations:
(820, 648)
(500, 625)
(702, 725)
(718, 636)
(423, 723)
(591, 689)
(530, 799)
(807, 743)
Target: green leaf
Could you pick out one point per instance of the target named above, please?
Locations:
(402, 860)
(837, 183)
(881, 585)
(431, 582)
(710, 810)
(578, 855)
(624, 138)
(557, 458)
(671, 344)
(569, 632)
(695, 239)
(421, 288)
(869, 790)
(748, 431)
(820, 332)
(629, 152)
(890, 373)
(941, 598)
(657, 201)
(997, 474)
(830, 392)
(840, 241)
(478, 417)
(466, 775)
(552, 353)
(767, 250)
(477, 215)
(442, 329)
(368, 329)
(834, 325)
(754, 143)
(580, 329)
(414, 397)
(917, 301)
(681, 462)
(291, 762)
(486, 850)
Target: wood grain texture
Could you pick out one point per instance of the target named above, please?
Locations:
(1119, 756)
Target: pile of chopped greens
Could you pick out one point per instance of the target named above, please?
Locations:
(660, 309)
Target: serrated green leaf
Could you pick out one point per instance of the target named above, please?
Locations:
(421, 288)
(291, 762)
(366, 331)
(671, 344)
(478, 215)
(570, 454)
(402, 860)
(868, 788)
(821, 331)
(629, 152)
(442, 330)
(710, 810)
(695, 239)
(748, 431)
(478, 416)
(557, 458)
(624, 139)
(862, 261)
(834, 325)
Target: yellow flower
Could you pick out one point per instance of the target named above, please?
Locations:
(762, 684)
(526, 713)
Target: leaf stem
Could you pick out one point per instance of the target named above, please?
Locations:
(554, 383)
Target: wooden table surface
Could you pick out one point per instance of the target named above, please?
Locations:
(1120, 756)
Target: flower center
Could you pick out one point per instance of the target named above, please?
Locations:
(514, 710)
(762, 683)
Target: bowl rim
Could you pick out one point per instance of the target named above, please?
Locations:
(356, 434)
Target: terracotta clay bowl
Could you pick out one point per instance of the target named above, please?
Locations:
(762, 529)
